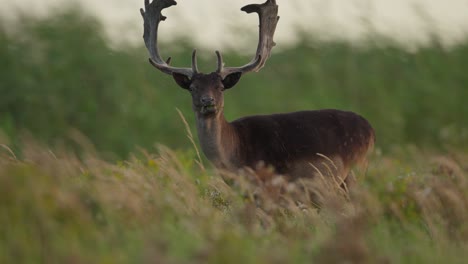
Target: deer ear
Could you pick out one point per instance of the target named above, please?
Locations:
(182, 80)
(231, 80)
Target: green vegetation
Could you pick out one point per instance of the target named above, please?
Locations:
(59, 75)
(63, 89)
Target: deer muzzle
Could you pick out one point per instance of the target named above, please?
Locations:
(208, 105)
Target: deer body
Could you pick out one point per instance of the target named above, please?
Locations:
(290, 142)
(298, 144)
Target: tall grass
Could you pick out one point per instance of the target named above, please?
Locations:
(163, 208)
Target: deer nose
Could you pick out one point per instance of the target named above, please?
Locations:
(207, 100)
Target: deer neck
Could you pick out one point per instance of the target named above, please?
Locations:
(218, 140)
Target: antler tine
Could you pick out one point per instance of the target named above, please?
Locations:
(194, 61)
(268, 17)
(220, 62)
(151, 18)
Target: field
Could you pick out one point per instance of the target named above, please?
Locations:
(96, 166)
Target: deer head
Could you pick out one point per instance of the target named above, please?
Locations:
(207, 89)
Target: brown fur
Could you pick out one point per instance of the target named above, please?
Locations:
(301, 144)
(328, 142)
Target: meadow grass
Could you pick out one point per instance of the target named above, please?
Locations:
(162, 207)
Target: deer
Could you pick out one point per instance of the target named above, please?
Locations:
(297, 144)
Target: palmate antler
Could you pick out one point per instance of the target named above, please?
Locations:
(268, 16)
(151, 18)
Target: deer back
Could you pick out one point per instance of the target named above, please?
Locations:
(283, 139)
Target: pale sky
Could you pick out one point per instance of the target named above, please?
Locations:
(215, 24)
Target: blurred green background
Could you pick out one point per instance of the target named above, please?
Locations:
(58, 75)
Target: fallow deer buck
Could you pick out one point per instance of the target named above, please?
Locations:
(297, 144)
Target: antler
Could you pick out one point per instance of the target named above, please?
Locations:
(268, 16)
(151, 18)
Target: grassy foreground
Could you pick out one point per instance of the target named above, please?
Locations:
(410, 207)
